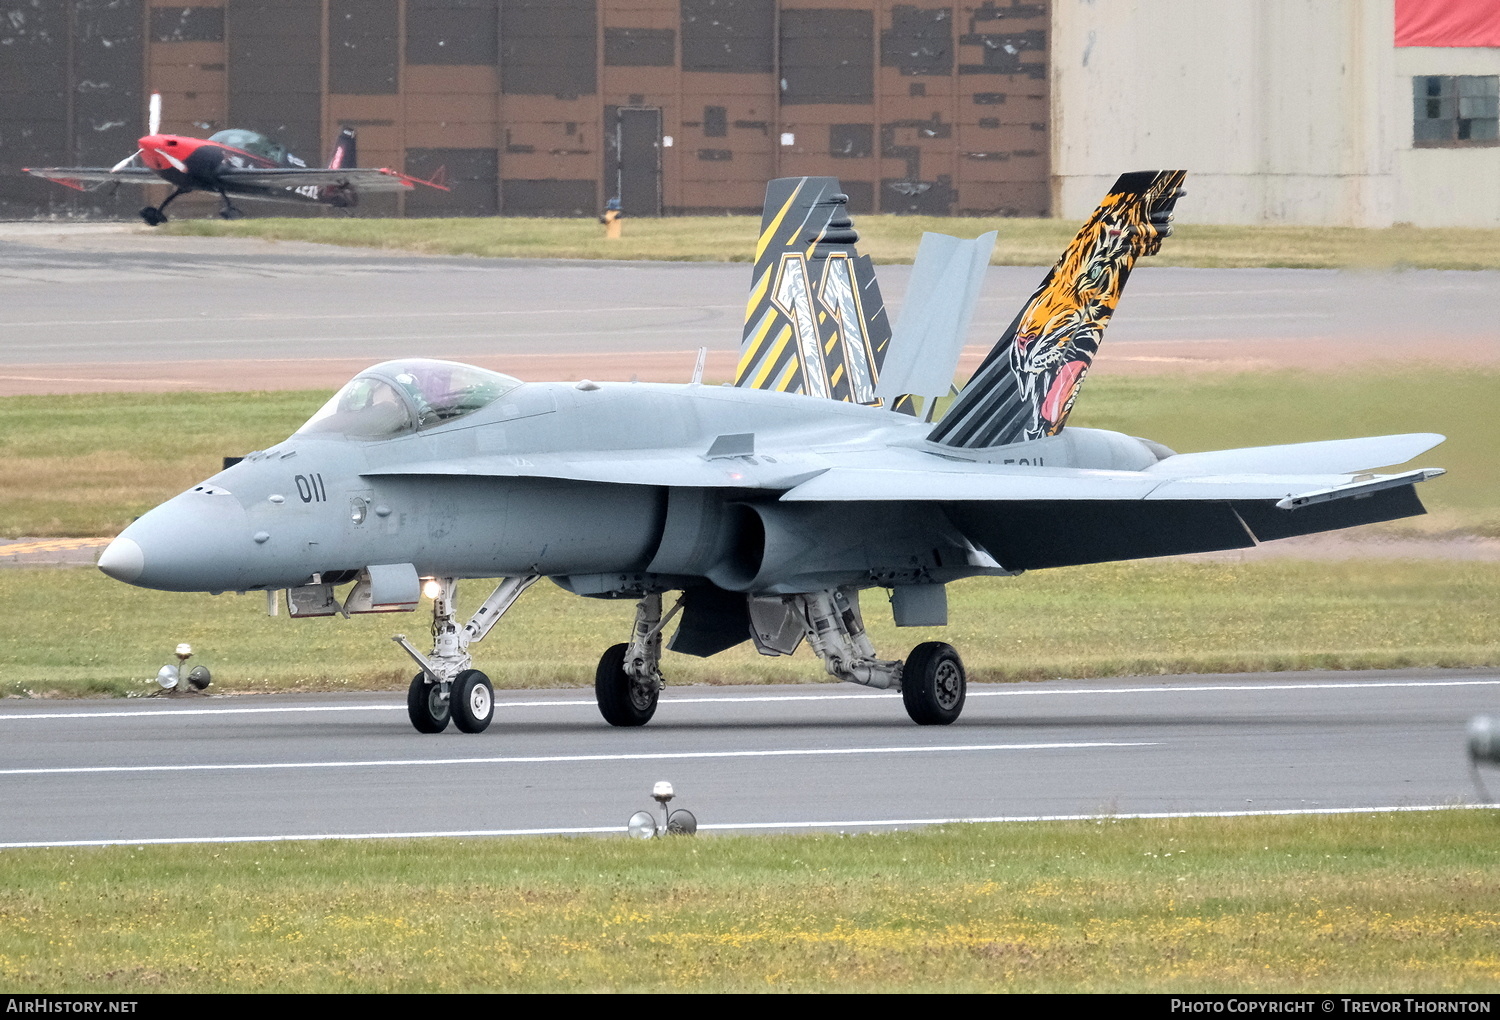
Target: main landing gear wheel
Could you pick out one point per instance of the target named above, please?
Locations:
(425, 705)
(623, 699)
(153, 216)
(472, 701)
(933, 684)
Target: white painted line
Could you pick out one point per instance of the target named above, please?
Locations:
(1018, 691)
(548, 759)
(271, 319)
(885, 823)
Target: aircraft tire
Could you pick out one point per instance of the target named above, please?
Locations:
(472, 700)
(622, 701)
(933, 684)
(153, 216)
(424, 705)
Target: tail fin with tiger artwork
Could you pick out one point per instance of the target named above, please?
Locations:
(1026, 385)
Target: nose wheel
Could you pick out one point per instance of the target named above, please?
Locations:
(428, 705)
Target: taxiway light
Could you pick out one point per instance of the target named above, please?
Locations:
(641, 825)
(1484, 739)
(662, 792)
(184, 651)
(432, 589)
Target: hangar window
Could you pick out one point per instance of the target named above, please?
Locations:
(1455, 110)
(399, 396)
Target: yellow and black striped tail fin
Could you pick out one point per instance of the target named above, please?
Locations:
(815, 322)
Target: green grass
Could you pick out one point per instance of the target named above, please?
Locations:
(1380, 903)
(76, 632)
(88, 464)
(1025, 242)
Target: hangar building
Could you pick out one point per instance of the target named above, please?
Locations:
(1285, 111)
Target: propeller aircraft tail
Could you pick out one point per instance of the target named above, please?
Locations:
(1026, 385)
(344, 154)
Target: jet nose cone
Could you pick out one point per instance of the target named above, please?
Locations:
(123, 560)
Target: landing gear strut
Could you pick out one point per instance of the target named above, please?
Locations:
(448, 688)
(628, 681)
(156, 215)
(932, 681)
(230, 211)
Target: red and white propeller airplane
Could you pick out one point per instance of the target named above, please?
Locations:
(235, 162)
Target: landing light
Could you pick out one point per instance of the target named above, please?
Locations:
(433, 589)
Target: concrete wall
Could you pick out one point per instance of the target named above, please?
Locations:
(1457, 187)
(1282, 111)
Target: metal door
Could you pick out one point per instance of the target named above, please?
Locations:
(638, 172)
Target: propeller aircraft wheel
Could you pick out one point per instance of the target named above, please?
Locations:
(425, 705)
(153, 216)
(231, 214)
(933, 684)
(623, 700)
(472, 701)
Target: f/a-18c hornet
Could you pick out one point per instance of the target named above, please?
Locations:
(769, 505)
(235, 162)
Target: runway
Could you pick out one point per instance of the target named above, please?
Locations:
(742, 759)
(92, 311)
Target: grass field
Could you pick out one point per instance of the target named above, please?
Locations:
(1379, 903)
(1025, 242)
(88, 464)
(76, 632)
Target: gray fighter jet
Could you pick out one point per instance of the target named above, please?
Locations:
(769, 505)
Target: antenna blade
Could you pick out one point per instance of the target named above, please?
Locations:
(154, 122)
(698, 368)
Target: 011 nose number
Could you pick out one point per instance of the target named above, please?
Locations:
(310, 489)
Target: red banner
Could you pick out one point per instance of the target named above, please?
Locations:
(1448, 22)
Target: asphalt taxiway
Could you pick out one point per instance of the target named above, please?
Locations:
(743, 759)
(101, 310)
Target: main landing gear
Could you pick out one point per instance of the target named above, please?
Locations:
(932, 681)
(156, 215)
(448, 688)
(230, 210)
(628, 680)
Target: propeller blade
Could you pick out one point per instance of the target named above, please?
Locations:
(155, 121)
(179, 164)
(124, 162)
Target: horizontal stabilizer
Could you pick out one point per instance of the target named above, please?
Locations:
(1334, 456)
(929, 334)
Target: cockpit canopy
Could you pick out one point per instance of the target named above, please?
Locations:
(402, 396)
(252, 142)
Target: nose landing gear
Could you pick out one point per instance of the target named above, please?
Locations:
(447, 688)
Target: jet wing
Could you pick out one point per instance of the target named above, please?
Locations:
(296, 177)
(989, 483)
(1341, 456)
(77, 176)
(664, 467)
